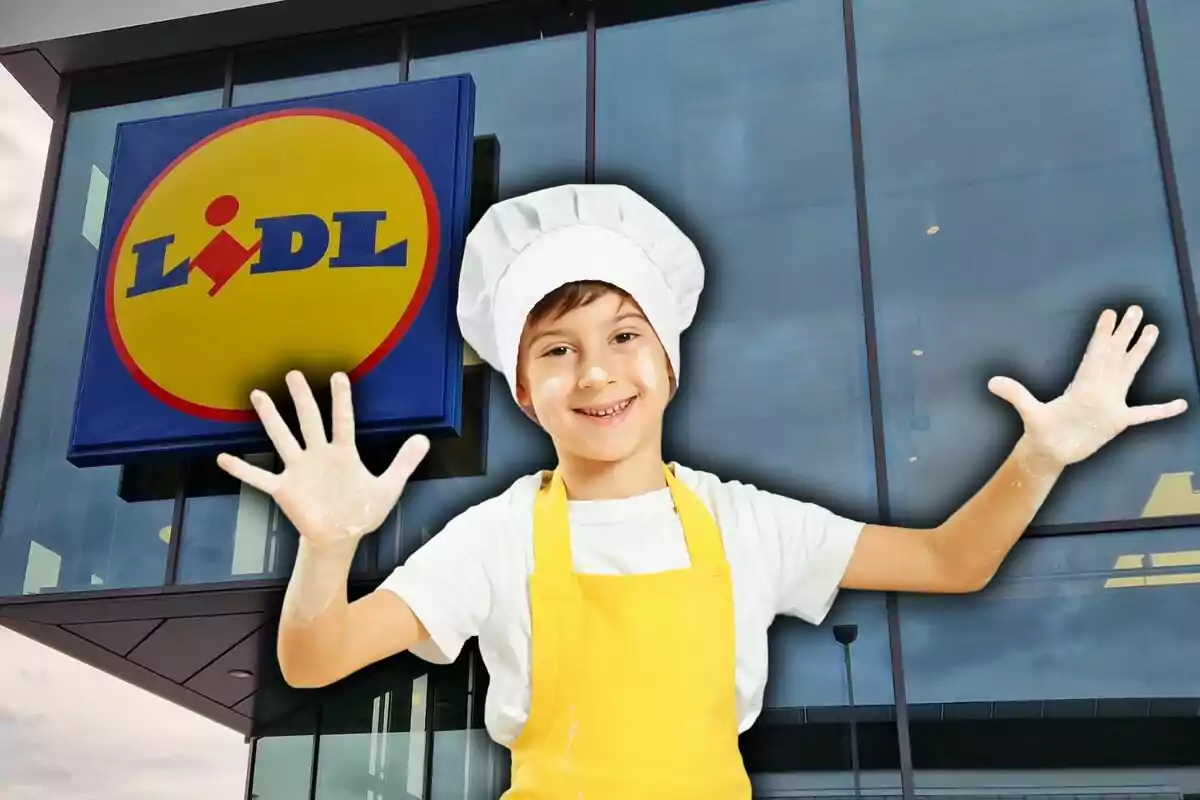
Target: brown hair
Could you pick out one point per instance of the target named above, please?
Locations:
(569, 297)
(577, 294)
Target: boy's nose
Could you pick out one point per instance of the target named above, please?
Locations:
(593, 375)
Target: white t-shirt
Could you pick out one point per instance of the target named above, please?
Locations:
(471, 579)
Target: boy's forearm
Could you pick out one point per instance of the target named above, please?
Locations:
(974, 541)
(313, 620)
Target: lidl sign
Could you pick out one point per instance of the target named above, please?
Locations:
(322, 235)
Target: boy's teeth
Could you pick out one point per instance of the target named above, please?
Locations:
(608, 412)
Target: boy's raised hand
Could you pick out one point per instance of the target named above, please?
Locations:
(1092, 410)
(325, 490)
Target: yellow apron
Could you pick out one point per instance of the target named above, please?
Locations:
(632, 675)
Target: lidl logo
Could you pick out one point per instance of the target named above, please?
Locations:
(311, 235)
(247, 253)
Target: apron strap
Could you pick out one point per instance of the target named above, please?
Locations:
(552, 528)
(700, 531)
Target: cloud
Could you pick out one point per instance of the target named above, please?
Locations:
(24, 137)
(67, 730)
(71, 732)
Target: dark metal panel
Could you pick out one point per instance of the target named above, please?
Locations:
(875, 393)
(227, 90)
(1115, 526)
(215, 682)
(1170, 186)
(177, 510)
(233, 29)
(119, 637)
(246, 707)
(182, 647)
(250, 756)
(405, 49)
(316, 758)
(35, 74)
(589, 168)
(153, 603)
(33, 284)
(27, 21)
(182, 600)
(81, 649)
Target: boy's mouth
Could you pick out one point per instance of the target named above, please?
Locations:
(607, 414)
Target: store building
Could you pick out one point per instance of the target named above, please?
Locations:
(896, 199)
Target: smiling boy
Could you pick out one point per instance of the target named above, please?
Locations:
(622, 604)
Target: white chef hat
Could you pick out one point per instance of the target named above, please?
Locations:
(526, 247)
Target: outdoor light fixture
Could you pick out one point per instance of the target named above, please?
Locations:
(846, 635)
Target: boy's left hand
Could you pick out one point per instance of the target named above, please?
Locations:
(1092, 411)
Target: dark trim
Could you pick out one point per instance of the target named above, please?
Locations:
(241, 27)
(864, 265)
(1115, 526)
(875, 392)
(371, 555)
(145, 638)
(1166, 160)
(358, 587)
(251, 757)
(589, 163)
(23, 337)
(316, 754)
(31, 69)
(403, 56)
(899, 694)
(221, 655)
(431, 693)
(177, 512)
(227, 92)
(80, 649)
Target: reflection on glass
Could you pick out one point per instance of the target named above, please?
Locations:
(63, 528)
(466, 763)
(531, 95)
(309, 85)
(1081, 654)
(713, 142)
(1176, 28)
(374, 747)
(1014, 191)
(735, 122)
(1067, 617)
(318, 67)
(282, 767)
(238, 536)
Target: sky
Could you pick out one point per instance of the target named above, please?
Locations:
(69, 731)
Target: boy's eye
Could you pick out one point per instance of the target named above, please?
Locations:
(561, 350)
(628, 336)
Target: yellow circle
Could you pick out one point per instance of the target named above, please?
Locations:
(203, 351)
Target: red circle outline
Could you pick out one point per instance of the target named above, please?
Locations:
(367, 364)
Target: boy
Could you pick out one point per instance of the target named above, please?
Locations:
(621, 604)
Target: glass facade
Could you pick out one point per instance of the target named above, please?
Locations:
(1008, 207)
(895, 201)
(62, 528)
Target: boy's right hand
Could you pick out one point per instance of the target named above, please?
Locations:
(324, 488)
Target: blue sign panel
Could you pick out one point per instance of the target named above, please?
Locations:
(322, 234)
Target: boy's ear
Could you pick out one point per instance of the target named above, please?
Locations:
(525, 402)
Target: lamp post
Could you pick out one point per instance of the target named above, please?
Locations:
(846, 635)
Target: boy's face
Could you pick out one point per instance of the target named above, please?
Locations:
(597, 379)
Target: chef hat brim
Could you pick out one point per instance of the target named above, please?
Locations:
(570, 255)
